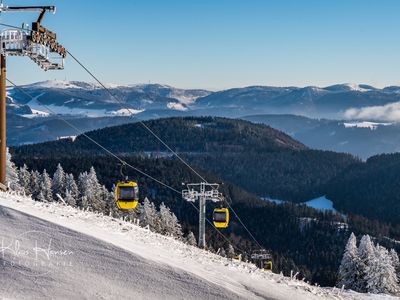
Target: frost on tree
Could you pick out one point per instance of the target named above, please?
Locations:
(46, 193)
(381, 274)
(191, 239)
(110, 208)
(35, 184)
(69, 199)
(11, 174)
(395, 261)
(366, 253)
(91, 191)
(230, 251)
(369, 268)
(349, 268)
(149, 216)
(58, 182)
(169, 224)
(25, 180)
(71, 188)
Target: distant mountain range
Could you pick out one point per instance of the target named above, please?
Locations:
(361, 138)
(343, 101)
(359, 119)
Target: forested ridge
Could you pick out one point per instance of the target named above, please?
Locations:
(255, 157)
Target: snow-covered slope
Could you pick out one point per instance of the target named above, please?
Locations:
(217, 277)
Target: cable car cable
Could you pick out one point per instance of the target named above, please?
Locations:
(94, 141)
(119, 159)
(143, 124)
(123, 105)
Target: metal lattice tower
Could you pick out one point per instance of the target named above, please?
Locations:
(203, 192)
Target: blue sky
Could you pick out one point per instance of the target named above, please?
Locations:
(218, 44)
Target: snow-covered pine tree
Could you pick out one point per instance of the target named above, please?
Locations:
(103, 198)
(69, 199)
(84, 189)
(395, 262)
(381, 275)
(41, 197)
(349, 267)
(169, 224)
(71, 186)
(395, 258)
(165, 219)
(11, 173)
(58, 182)
(110, 206)
(35, 184)
(94, 191)
(230, 251)
(46, 193)
(366, 254)
(25, 180)
(149, 215)
(191, 239)
(222, 252)
(176, 228)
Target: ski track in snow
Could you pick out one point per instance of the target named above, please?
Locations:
(166, 268)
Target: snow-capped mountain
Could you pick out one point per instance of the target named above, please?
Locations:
(327, 102)
(341, 101)
(87, 99)
(353, 103)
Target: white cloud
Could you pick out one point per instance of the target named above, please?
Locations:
(387, 112)
(176, 106)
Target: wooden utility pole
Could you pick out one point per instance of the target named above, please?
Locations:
(3, 149)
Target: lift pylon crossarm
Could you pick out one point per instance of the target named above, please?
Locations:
(33, 8)
(203, 192)
(36, 44)
(39, 34)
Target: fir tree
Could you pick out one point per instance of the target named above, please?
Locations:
(11, 174)
(46, 193)
(230, 251)
(349, 267)
(169, 224)
(149, 215)
(395, 262)
(191, 239)
(25, 179)
(71, 186)
(58, 182)
(381, 274)
(110, 206)
(90, 190)
(35, 180)
(69, 199)
(366, 253)
(84, 190)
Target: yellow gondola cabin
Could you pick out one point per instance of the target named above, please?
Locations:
(221, 217)
(127, 195)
